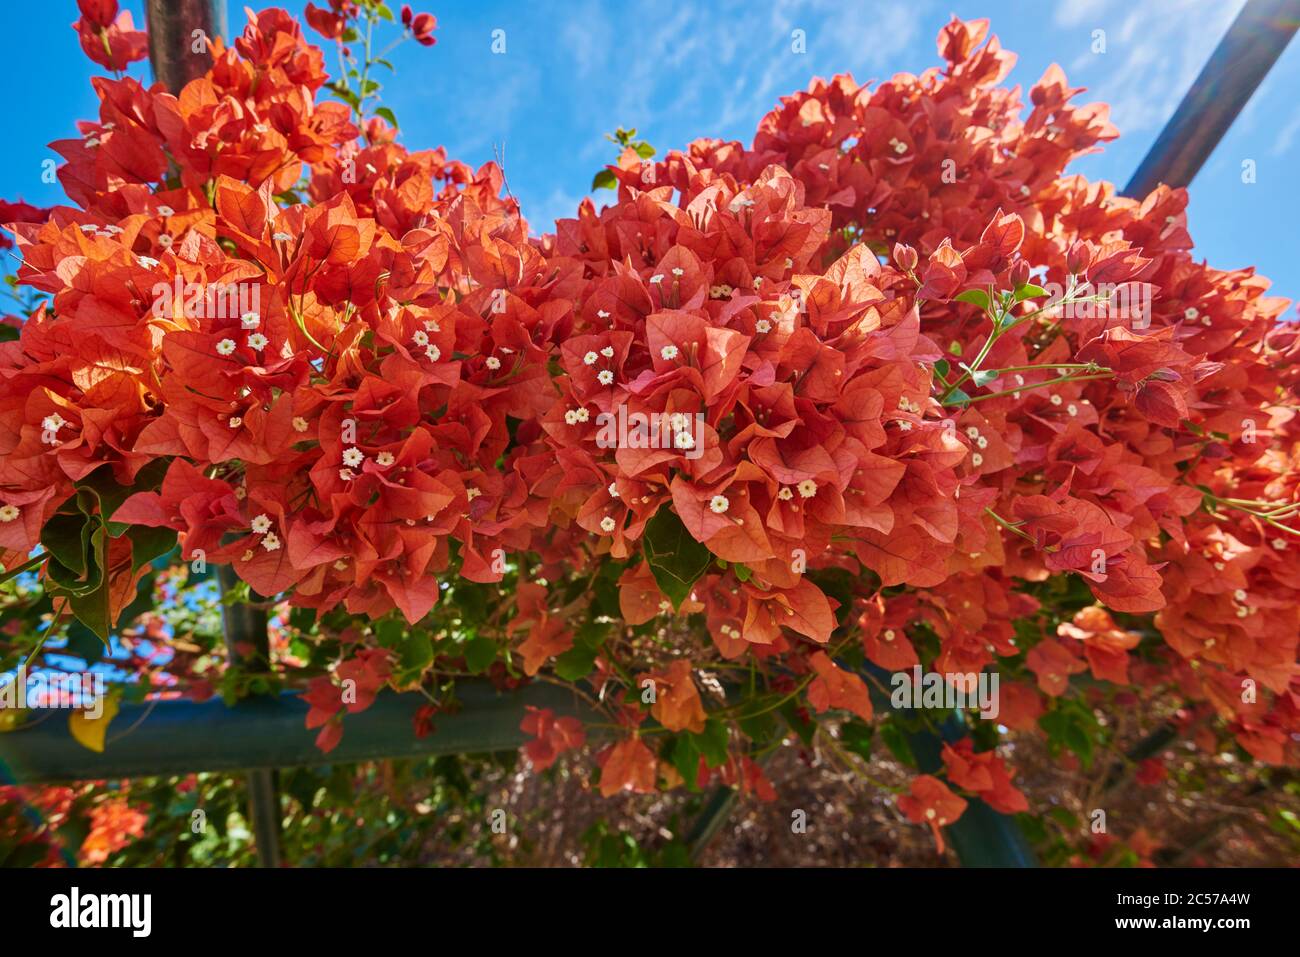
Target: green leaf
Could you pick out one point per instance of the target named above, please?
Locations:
(91, 605)
(1030, 291)
(856, 736)
(976, 297)
(67, 539)
(387, 114)
(149, 543)
(896, 740)
(110, 494)
(479, 654)
(575, 664)
(414, 653)
(685, 757)
(942, 367)
(644, 149)
(956, 397)
(605, 179)
(675, 558)
(712, 743)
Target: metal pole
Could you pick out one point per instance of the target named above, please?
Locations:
(179, 36)
(177, 29)
(1230, 76)
(179, 736)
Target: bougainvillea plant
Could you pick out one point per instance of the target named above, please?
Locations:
(886, 390)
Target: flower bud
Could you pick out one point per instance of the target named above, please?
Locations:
(905, 257)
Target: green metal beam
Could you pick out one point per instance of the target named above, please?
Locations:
(181, 737)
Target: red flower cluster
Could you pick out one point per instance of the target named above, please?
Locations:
(890, 345)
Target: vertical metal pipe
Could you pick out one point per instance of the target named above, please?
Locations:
(177, 29)
(179, 35)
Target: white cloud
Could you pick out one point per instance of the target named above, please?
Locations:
(1153, 54)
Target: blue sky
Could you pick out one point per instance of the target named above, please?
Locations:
(577, 69)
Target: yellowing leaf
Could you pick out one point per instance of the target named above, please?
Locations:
(90, 732)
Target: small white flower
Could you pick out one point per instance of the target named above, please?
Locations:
(904, 425)
(257, 342)
(1279, 544)
(166, 211)
(972, 432)
(669, 352)
(607, 524)
(602, 314)
(982, 442)
(493, 363)
(165, 241)
(678, 271)
(353, 457)
(657, 277)
(431, 325)
(8, 513)
(607, 352)
(88, 227)
(605, 377)
(889, 634)
(271, 543)
(1024, 190)
(1056, 400)
(282, 237)
(718, 504)
(384, 459)
(261, 524)
(53, 422)
(582, 415)
(899, 146)
(341, 565)
(665, 606)
(148, 262)
(807, 488)
(225, 347)
(247, 556)
(420, 338)
(763, 326)
(112, 230)
(590, 359)
(347, 475)
(241, 493)
(1242, 612)
(299, 424)
(683, 440)
(785, 494)
(613, 490)
(570, 417)
(1239, 594)
(433, 353)
(236, 421)
(1191, 312)
(250, 320)
(976, 460)
(472, 493)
